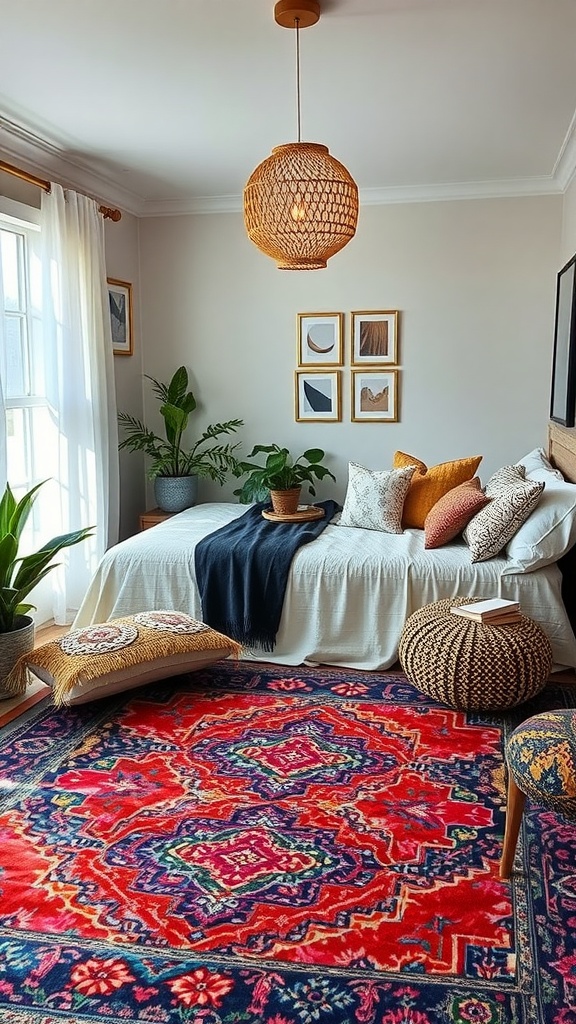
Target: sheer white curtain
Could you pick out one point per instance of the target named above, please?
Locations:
(3, 376)
(79, 381)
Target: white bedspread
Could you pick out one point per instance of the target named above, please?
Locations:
(349, 591)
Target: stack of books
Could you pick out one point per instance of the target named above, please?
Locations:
(494, 612)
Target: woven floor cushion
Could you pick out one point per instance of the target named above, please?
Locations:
(541, 754)
(108, 657)
(472, 666)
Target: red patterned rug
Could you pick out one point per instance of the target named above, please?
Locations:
(253, 843)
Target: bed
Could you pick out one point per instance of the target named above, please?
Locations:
(349, 592)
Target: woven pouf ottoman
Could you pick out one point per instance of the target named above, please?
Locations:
(470, 665)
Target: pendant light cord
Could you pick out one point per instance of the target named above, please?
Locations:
(297, 23)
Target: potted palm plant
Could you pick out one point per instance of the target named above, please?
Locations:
(281, 477)
(174, 468)
(19, 574)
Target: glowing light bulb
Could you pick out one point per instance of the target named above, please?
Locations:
(298, 211)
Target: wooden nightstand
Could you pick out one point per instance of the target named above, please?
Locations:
(153, 517)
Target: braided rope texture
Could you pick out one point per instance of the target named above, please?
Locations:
(472, 666)
(541, 754)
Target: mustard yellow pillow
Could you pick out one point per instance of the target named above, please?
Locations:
(428, 485)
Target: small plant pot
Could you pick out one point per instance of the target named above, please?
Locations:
(19, 641)
(285, 503)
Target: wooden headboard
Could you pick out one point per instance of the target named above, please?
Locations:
(562, 449)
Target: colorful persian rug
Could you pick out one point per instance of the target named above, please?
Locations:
(282, 846)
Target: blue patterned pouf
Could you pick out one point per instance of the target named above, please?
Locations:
(541, 755)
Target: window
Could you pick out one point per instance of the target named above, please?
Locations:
(31, 435)
(57, 376)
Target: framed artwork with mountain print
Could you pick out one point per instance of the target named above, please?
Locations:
(374, 396)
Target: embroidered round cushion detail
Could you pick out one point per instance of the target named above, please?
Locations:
(99, 639)
(173, 622)
(470, 665)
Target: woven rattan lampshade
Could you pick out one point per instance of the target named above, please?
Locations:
(300, 204)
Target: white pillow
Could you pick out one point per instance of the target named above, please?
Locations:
(538, 467)
(548, 533)
(375, 498)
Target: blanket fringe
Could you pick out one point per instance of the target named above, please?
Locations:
(248, 636)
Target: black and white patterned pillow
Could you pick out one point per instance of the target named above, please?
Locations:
(513, 499)
(375, 498)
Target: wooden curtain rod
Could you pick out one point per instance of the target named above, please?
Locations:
(108, 212)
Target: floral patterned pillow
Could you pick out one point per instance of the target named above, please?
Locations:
(375, 498)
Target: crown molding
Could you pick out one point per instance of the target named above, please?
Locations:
(504, 188)
(46, 159)
(565, 166)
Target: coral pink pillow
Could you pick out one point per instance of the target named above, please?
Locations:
(451, 513)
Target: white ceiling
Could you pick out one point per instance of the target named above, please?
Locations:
(168, 105)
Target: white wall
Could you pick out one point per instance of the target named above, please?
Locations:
(475, 284)
(122, 263)
(568, 225)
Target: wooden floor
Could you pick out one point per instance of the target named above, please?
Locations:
(44, 634)
(52, 632)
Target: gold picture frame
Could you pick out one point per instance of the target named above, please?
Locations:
(374, 337)
(318, 396)
(374, 396)
(121, 323)
(320, 339)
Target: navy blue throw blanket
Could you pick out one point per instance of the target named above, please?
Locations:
(242, 570)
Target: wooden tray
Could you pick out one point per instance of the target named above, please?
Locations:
(301, 516)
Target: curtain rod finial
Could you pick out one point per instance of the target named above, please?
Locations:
(109, 213)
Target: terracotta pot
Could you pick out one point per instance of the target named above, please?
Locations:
(285, 503)
(12, 645)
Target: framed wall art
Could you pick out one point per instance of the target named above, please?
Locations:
(375, 337)
(374, 396)
(320, 339)
(120, 299)
(563, 388)
(318, 396)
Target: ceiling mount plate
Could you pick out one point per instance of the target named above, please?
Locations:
(307, 12)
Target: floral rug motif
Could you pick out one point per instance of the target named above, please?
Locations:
(252, 843)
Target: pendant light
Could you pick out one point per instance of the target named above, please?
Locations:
(300, 204)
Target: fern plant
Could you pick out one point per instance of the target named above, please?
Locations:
(168, 457)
